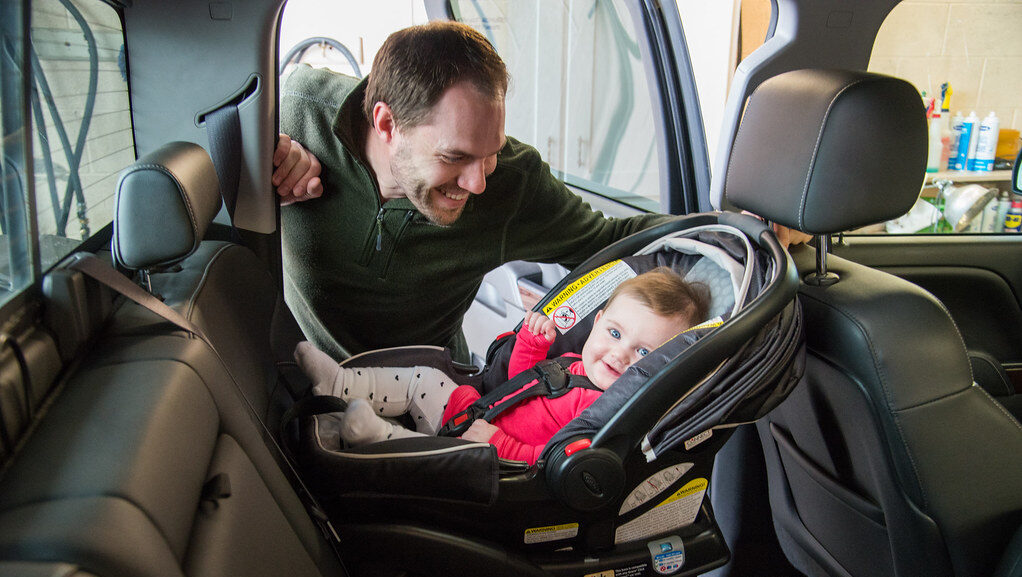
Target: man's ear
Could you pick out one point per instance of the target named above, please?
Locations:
(383, 121)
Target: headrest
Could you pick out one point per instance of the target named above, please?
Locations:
(825, 151)
(164, 203)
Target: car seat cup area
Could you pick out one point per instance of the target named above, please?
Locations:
(622, 485)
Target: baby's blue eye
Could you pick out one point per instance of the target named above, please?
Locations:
(614, 333)
(643, 351)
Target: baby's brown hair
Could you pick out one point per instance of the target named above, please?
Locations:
(665, 293)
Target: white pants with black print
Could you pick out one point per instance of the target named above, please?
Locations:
(422, 392)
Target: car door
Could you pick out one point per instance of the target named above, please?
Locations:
(605, 91)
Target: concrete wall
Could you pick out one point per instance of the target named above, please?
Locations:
(976, 45)
(64, 57)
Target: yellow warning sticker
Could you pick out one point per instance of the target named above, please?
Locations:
(693, 486)
(551, 533)
(583, 296)
(678, 510)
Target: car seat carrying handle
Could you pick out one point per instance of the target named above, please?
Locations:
(552, 380)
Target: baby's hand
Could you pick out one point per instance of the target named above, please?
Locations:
(540, 324)
(480, 431)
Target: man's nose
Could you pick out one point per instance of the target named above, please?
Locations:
(473, 177)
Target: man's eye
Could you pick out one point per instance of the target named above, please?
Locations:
(643, 351)
(451, 159)
(614, 333)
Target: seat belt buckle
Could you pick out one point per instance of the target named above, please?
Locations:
(459, 423)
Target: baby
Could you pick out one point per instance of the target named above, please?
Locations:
(641, 314)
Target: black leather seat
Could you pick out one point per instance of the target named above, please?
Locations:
(886, 459)
(141, 451)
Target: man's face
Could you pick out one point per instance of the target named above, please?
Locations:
(438, 164)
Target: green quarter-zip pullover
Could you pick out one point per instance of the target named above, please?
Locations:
(366, 275)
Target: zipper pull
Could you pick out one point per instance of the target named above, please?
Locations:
(379, 230)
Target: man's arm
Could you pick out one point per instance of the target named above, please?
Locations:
(296, 172)
(551, 223)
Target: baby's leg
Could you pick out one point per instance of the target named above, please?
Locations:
(421, 392)
(362, 426)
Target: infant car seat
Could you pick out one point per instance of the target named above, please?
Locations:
(621, 487)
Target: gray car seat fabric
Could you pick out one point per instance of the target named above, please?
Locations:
(886, 459)
(145, 454)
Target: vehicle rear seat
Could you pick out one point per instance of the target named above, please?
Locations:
(140, 452)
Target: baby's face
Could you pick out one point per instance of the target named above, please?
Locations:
(623, 333)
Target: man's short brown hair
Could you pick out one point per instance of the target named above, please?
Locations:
(664, 292)
(416, 65)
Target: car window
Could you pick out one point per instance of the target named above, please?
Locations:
(587, 108)
(79, 125)
(963, 59)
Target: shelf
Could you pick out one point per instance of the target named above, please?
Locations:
(969, 176)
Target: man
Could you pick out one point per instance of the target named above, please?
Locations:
(395, 250)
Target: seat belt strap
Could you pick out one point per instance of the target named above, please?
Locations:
(105, 274)
(223, 127)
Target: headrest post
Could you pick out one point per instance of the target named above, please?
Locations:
(145, 280)
(822, 277)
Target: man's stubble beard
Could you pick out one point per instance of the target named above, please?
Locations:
(418, 191)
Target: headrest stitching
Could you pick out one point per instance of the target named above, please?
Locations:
(816, 149)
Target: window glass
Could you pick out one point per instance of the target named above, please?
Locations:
(342, 35)
(578, 91)
(963, 59)
(15, 265)
(81, 123)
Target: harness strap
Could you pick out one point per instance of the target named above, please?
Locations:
(552, 380)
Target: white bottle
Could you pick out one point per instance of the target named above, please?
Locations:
(969, 144)
(986, 147)
(988, 218)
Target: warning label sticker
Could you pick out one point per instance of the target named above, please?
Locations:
(551, 533)
(633, 571)
(678, 510)
(586, 294)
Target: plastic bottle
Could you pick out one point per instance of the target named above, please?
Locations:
(986, 146)
(969, 144)
(992, 221)
(1003, 204)
(988, 220)
(1013, 220)
(960, 146)
(933, 156)
(956, 126)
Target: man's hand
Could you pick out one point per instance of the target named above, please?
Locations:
(296, 173)
(480, 431)
(540, 324)
(789, 236)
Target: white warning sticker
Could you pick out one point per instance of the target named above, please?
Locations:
(583, 296)
(550, 533)
(678, 510)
